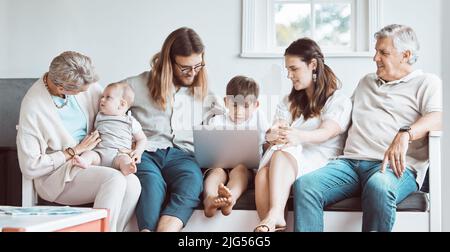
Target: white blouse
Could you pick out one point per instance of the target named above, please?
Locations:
(311, 156)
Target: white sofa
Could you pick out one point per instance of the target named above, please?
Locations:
(421, 219)
(337, 218)
(343, 221)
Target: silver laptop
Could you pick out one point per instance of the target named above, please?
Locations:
(226, 148)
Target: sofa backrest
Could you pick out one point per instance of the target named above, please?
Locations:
(11, 93)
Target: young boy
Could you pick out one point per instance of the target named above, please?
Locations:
(117, 129)
(242, 105)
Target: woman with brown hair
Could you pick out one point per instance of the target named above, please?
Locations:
(309, 129)
(171, 99)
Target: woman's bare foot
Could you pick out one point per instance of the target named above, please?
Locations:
(270, 225)
(225, 199)
(210, 206)
(80, 162)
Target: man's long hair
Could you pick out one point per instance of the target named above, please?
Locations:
(181, 42)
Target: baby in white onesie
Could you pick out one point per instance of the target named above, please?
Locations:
(118, 130)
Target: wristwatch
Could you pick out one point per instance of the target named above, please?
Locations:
(71, 151)
(407, 129)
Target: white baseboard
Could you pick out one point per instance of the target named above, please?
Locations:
(245, 221)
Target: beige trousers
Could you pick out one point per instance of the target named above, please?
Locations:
(107, 188)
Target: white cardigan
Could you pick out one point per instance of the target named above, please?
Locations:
(42, 137)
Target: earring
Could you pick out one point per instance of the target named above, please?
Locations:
(314, 76)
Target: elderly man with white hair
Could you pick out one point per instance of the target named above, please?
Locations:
(386, 153)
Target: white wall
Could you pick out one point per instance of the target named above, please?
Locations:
(427, 25)
(121, 36)
(446, 140)
(3, 30)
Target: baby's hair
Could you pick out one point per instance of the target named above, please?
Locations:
(242, 86)
(127, 91)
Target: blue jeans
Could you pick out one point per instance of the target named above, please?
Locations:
(171, 183)
(344, 178)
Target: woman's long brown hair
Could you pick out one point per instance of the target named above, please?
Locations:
(181, 42)
(324, 86)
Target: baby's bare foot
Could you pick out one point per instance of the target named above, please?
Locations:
(128, 169)
(80, 162)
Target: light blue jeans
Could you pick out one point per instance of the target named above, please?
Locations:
(344, 178)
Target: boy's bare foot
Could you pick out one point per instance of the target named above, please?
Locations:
(128, 168)
(224, 204)
(80, 162)
(225, 199)
(210, 206)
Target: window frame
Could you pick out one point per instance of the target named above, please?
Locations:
(258, 28)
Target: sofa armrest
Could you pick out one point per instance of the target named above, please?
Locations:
(434, 145)
(29, 195)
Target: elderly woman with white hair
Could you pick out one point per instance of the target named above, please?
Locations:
(386, 153)
(55, 124)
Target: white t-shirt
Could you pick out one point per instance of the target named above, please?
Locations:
(311, 156)
(258, 121)
(135, 125)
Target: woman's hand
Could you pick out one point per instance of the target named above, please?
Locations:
(291, 136)
(273, 135)
(88, 143)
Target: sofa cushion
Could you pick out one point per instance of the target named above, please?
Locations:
(416, 202)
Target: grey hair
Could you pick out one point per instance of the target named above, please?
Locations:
(71, 70)
(404, 39)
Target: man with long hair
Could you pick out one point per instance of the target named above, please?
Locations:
(170, 100)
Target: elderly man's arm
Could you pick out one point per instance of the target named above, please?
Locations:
(427, 123)
(396, 153)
